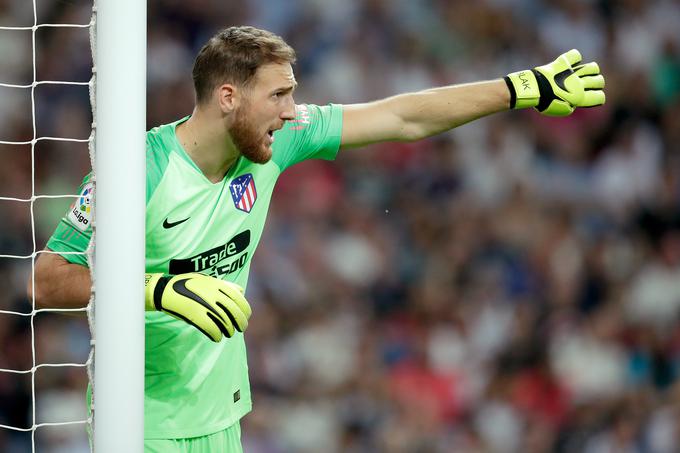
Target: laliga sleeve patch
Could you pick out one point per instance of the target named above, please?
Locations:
(80, 213)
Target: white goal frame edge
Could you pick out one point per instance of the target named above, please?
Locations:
(119, 170)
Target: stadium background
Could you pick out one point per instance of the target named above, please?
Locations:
(511, 286)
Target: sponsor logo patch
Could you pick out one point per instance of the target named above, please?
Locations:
(80, 213)
(221, 260)
(243, 192)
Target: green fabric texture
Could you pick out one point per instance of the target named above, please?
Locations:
(193, 386)
(225, 441)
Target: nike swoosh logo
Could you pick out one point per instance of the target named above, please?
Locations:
(560, 77)
(180, 287)
(167, 224)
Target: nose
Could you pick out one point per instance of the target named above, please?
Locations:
(288, 113)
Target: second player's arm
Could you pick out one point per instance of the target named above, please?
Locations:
(413, 116)
(59, 284)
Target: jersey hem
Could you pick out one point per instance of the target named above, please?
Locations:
(198, 432)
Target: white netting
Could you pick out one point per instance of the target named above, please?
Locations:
(35, 367)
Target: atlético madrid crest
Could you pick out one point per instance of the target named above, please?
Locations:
(243, 192)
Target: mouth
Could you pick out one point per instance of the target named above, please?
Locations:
(270, 133)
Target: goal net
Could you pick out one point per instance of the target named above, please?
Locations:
(28, 96)
(48, 130)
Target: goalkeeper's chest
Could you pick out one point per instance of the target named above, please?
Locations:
(209, 228)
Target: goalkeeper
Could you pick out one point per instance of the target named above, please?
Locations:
(210, 178)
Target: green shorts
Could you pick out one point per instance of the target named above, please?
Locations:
(226, 441)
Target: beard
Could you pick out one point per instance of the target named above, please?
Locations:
(249, 141)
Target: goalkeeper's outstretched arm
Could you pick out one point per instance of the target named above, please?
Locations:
(554, 89)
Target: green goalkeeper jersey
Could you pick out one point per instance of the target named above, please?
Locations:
(194, 387)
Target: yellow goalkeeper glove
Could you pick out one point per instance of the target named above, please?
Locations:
(557, 88)
(213, 306)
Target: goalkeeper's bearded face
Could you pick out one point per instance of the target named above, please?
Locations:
(264, 108)
(248, 138)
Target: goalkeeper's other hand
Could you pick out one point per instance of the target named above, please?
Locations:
(213, 306)
(557, 88)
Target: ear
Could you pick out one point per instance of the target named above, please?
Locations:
(227, 97)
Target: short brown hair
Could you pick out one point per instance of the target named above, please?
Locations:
(233, 56)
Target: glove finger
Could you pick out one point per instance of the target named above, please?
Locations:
(236, 316)
(593, 98)
(235, 293)
(573, 57)
(207, 325)
(587, 69)
(593, 82)
(225, 324)
(236, 286)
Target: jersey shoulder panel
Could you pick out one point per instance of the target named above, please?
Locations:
(315, 133)
(160, 143)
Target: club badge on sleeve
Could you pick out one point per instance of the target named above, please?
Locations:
(243, 192)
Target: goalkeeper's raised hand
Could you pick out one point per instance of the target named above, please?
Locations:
(557, 88)
(213, 306)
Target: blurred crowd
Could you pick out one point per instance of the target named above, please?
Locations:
(510, 286)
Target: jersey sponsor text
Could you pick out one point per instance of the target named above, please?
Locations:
(211, 258)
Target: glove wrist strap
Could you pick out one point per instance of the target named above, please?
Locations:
(154, 285)
(511, 89)
(524, 90)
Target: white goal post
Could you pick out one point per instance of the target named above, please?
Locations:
(119, 169)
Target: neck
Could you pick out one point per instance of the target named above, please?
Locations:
(206, 141)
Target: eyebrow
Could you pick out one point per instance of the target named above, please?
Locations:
(286, 89)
